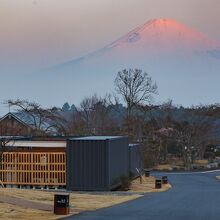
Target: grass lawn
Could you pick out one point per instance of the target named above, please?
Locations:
(201, 162)
(148, 185)
(79, 202)
(178, 164)
(10, 212)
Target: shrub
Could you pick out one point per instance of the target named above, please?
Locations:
(125, 183)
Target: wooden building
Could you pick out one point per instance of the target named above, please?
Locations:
(11, 125)
(86, 163)
(24, 124)
(34, 163)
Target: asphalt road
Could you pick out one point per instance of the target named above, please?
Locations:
(194, 196)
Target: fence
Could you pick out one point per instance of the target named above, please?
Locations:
(34, 168)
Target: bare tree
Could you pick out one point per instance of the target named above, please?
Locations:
(76, 125)
(41, 120)
(136, 88)
(193, 137)
(94, 111)
(185, 131)
(8, 134)
(87, 112)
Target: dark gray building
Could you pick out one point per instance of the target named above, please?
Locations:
(97, 162)
(135, 159)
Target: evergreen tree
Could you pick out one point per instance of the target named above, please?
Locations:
(66, 107)
(73, 108)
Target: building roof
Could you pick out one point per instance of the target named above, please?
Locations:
(134, 145)
(43, 144)
(29, 121)
(33, 121)
(13, 115)
(97, 138)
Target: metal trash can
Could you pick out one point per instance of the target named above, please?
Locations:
(164, 179)
(158, 184)
(61, 204)
(147, 172)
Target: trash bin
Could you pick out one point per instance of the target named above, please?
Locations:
(158, 184)
(61, 204)
(164, 179)
(147, 172)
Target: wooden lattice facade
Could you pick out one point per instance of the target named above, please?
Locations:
(34, 168)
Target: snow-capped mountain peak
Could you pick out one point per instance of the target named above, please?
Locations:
(177, 57)
(167, 34)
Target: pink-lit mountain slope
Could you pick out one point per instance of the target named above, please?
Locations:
(163, 35)
(156, 38)
(177, 57)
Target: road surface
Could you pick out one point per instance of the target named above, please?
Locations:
(194, 196)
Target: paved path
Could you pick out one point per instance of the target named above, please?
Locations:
(26, 203)
(194, 196)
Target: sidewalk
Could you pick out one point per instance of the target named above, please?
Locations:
(26, 203)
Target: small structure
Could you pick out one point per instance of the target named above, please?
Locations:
(61, 204)
(96, 163)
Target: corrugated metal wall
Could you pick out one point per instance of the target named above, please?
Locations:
(87, 165)
(96, 164)
(135, 159)
(119, 160)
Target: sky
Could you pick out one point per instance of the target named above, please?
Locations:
(42, 33)
(37, 34)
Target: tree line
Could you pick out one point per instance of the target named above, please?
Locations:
(130, 110)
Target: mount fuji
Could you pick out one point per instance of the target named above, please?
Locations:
(184, 63)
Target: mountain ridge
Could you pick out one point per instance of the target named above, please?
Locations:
(191, 38)
(165, 23)
(175, 56)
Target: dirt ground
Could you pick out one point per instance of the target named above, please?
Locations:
(78, 201)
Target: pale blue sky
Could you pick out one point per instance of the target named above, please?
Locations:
(42, 33)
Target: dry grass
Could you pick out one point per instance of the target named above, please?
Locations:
(178, 164)
(12, 212)
(147, 185)
(201, 162)
(93, 202)
(174, 163)
(162, 167)
(79, 202)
